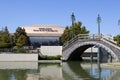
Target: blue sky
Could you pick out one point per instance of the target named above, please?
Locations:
(14, 13)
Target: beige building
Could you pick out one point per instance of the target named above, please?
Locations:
(44, 34)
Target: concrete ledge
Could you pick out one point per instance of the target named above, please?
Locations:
(49, 61)
(51, 50)
(19, 57)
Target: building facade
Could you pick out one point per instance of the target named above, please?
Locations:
(44, 34)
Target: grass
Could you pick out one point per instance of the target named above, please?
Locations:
(114, 64)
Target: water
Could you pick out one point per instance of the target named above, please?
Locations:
(55, 71)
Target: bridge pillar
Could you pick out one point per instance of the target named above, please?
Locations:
(91, 55)
(110, 58)
(98, 57)
(104, 56)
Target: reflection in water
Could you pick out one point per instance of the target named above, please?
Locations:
(13, 74)
(16, 70)
(77, 71)
(51, 70)
(54, 71)
(18, 65)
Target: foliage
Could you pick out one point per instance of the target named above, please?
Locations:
(5, 45)
(78, 29)
(21, 41)
(20, 50)
(117, 39)
(57, 57)
(66, 36)
(20, 38)
(5, 39)
(84, 30)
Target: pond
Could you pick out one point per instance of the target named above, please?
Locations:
(55, 71)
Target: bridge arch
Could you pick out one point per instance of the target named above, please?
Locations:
(77, 48)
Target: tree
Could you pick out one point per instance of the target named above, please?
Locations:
(22, 41)
(84, 30)
(21, 38)
(78, 29)
(6, 30)
(5, 39)
(66, 35)
(117, 39)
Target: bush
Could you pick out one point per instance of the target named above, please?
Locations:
(57, 57)
(5, 45)
(20, 50)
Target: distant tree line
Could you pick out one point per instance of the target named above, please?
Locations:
(78, 29)
(18, 39)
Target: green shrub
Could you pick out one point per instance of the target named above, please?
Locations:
(20, 50)
(5, 45)
(57, 57)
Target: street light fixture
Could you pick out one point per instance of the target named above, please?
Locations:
(98, 21)
(98, 54)
(73, 20)
(119, 22)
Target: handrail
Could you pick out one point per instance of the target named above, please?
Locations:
(83, 37)
(109, 38)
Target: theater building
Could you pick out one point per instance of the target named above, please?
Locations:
(42, 35)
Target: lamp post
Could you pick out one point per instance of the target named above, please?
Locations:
(98, 21)
(99, 49)
(119, 22)
(73, 20)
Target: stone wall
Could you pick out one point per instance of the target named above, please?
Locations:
(18, 57)
(51, 50)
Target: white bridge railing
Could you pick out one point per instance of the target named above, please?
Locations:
(109, 38)
(84, 37)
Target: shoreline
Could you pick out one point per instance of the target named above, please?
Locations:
(40, 61)
(102, 65)
(49, 61)
(110, 66)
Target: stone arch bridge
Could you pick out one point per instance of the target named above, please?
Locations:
(74, 48)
